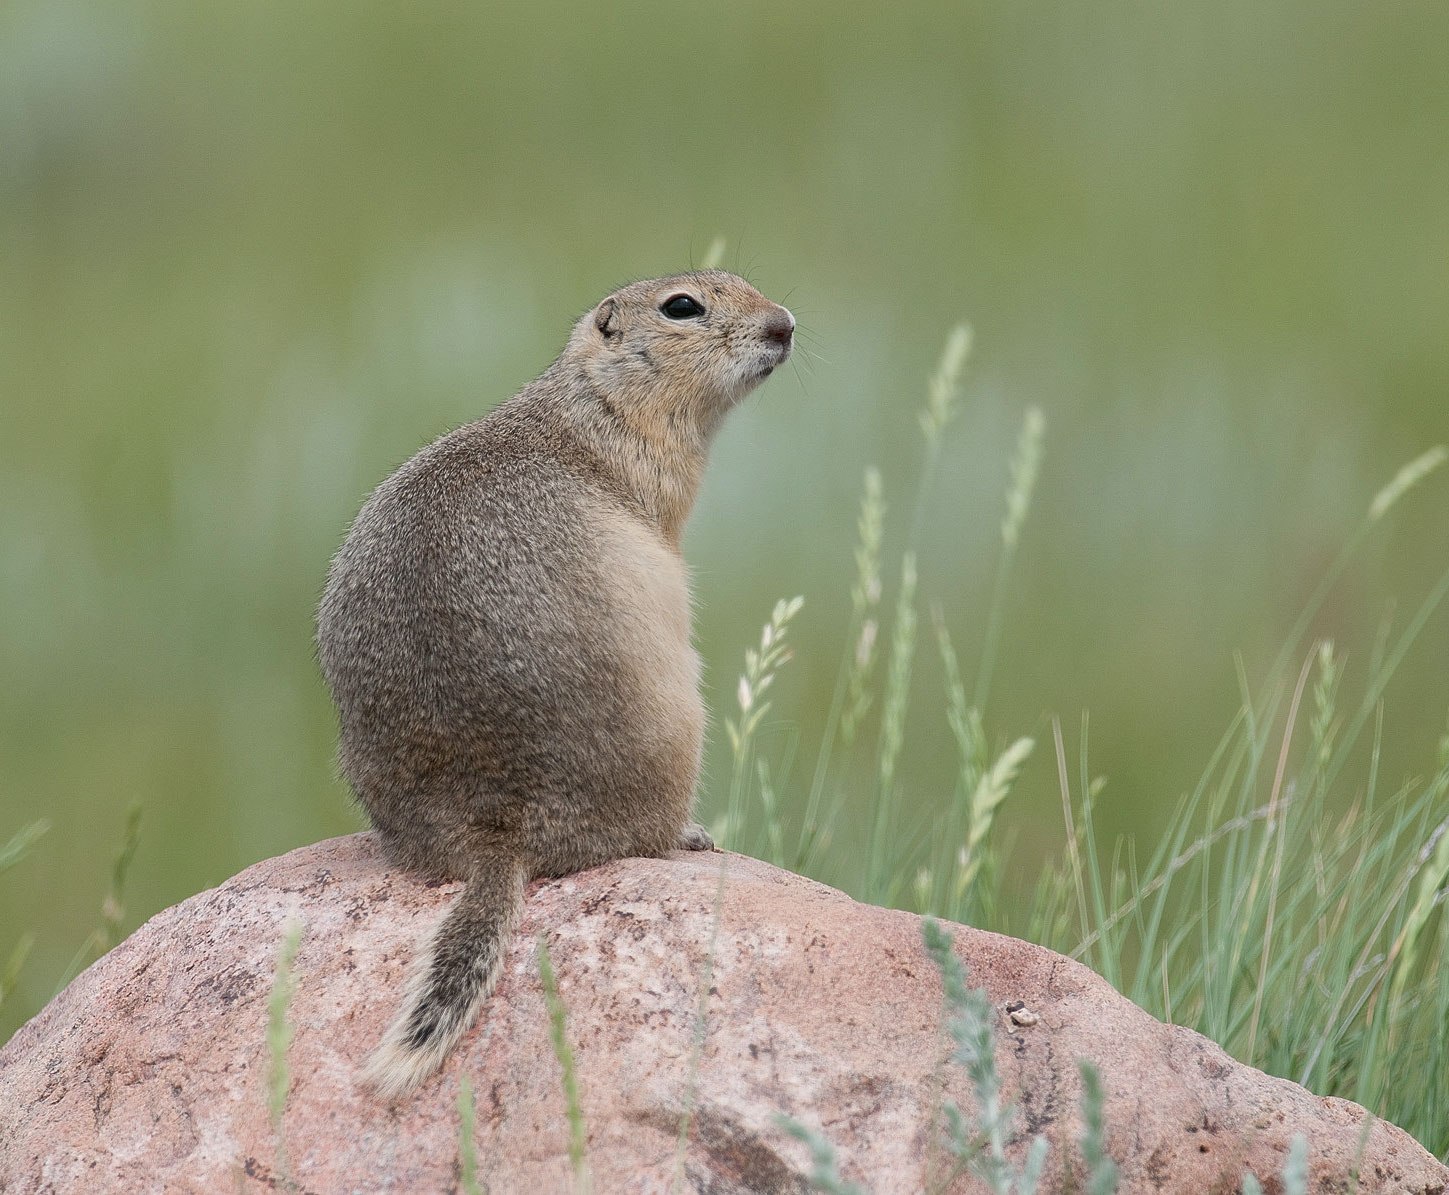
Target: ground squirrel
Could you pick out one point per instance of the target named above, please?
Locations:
(506, 630)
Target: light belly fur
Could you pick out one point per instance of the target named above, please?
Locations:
(651, 613)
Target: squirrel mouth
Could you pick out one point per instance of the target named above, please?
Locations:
(782, 355)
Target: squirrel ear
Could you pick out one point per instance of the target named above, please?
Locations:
(606, 319)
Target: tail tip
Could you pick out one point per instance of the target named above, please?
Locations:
(395, 1069)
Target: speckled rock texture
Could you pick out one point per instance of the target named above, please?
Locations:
(149, 1073)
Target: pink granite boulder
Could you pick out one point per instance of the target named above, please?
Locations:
(149, 1073)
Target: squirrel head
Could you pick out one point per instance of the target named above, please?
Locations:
(684, 349)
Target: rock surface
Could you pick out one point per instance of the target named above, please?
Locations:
(149, 1073)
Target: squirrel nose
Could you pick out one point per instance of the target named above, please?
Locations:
(780, 327)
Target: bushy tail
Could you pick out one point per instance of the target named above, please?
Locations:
(450, 980)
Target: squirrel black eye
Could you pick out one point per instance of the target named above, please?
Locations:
(681, 307)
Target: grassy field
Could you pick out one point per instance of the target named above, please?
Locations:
(1293, 908)
(251, 258)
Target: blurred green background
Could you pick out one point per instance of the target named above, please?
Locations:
(253, 256)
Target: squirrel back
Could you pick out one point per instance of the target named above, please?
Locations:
(506, 630)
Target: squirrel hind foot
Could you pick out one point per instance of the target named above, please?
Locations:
(695, 837)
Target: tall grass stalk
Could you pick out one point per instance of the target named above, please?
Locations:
(113, 907)
(956, 868)
(1295, 1168)
(953, 880)
(1101, 1169)
(991, 790)
(978, 1143)
(1074, 849)
(1406, 479)
(943, 393)
(1432, 884)
(700, 1030)
(864, 603)
(14, 963)
(468, 1139)
(892, 730)
(762, 665)
(770, 808)
(279, 1042)
(824, 1173)
(10, 854)
(1278, 836)
(558, 1032)
(1364, 1133)
(1025, 466)
(852, 693)
(20, 843)
(1381, 674)
(714, 256)
(1293, 1178)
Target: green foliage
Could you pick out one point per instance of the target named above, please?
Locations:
(977, 1143)
(1292, 910)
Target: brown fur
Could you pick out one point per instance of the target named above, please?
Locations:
(506, 631)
